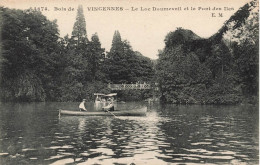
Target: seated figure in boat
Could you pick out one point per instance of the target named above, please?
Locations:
(109, 107)
(82, 106)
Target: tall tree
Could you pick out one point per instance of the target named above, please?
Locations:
(76, 52)
(79, 33)
(116, 43)
(126, 66)
(116, 66)
(96, 58)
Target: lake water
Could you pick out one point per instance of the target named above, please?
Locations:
(32, 133)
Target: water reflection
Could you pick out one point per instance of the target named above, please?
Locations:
(33, 134)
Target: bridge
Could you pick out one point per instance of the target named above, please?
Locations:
(136, 86)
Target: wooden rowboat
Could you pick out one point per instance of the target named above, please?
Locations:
(135, 112)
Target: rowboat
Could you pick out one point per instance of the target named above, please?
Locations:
(135, 112)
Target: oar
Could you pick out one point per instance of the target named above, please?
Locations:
(111, 113)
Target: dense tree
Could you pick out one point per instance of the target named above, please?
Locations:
(116, 63)
(125, 65)
(76, 71)
(117, 45)
(145, 68)
(219, 60)
(29, 55)
(37, 65)
(219, 70)
(244, 45)
(96, 58)
(177, 71)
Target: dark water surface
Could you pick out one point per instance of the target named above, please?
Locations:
(32, 133)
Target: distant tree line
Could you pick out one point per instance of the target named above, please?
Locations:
(38, 65)
(220, 70)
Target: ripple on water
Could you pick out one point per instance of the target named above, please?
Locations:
(58, 133)
(105, 151)
(4, 154)
(123, 160)
(33, 158)
(144, 140)
(28, 149)
(200, 143)
(55, 157)
(95, 139)
(221, 144)
(63, 161)
(211, 157)
(197, 150)
(190, 158)
(242, 156)
(60, 147)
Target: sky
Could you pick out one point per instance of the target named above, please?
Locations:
(137, 22)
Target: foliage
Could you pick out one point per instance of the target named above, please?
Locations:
(79, 33)
(238, 19)
(125, 65)
(37, 65)
(244, 45)
(177, 70)
(96, 58)
(212, 71)
(134, 95)
(29, 55)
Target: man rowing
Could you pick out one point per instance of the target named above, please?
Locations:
(82, 106)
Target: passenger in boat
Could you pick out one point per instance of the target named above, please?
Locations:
(109, 107)
(82, 105)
